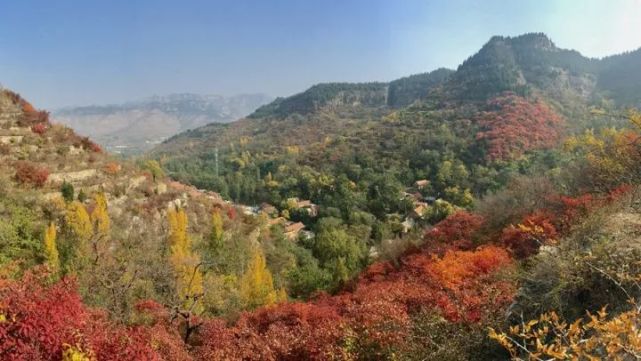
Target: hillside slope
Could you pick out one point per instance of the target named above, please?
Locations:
(139, 267)
(465, 132)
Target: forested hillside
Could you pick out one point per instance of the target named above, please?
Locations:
(490, 213)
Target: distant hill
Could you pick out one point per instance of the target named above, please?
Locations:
(397, 93)
(411, 128)
(137, 126)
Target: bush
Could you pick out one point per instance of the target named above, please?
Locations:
(28, 173)
(39, 128)
(67, 191)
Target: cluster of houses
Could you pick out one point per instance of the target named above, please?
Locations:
(420, 204)
(296, 230)
(292, 230)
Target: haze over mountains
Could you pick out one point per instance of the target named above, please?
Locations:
(137, 126)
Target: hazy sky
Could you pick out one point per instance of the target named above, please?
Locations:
(77, 52)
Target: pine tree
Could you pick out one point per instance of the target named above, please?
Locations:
(257, 285)
(189, 280)
(100, 217)
(51, 250)
(67, 191)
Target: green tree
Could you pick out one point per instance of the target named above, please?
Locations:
(67, 191)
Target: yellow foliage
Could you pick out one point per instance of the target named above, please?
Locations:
(189, 280)
(74, 353)
(257, 285)
(216, 230)
(281, 296)
(78, 220)
(292, 149)
(100, 217)
(592, 338)
(51, 250)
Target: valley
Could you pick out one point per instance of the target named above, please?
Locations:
(490, 212)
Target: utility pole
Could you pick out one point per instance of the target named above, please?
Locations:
(216, 160)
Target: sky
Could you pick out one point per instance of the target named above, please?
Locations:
(78, 52)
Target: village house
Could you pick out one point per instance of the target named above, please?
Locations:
(269, 209)
(292, 230)
(277, 220)
(419, 210)
(422, 183)
(307, 205)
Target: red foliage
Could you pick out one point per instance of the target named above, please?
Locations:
(231, 213)
(30, 114)
(39, 128)
(516, 125)
(460, 285)
(28, 173)
(88, 144)
(619, 192)
(574, 208)
(456, 229)
(533, 232)
(40, 318)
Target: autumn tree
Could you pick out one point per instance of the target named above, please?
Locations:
(77, 248)
(79, 221)
(51, 249)
(216, 237)
(155, 169)
(100, 217)
(189, 282)
(256, 284)
(608, 157)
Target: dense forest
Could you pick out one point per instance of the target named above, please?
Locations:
(490, 213)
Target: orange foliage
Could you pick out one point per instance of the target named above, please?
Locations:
(112, 168)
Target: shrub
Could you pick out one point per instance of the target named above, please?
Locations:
(39, 128)
(112, 168)
(28, 173)
(525, 238)
(67, 191)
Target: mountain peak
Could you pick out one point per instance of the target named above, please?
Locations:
(529, 40)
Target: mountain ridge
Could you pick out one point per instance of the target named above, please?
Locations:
(135, 126)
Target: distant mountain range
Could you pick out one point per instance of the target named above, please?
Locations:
(134, 127)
